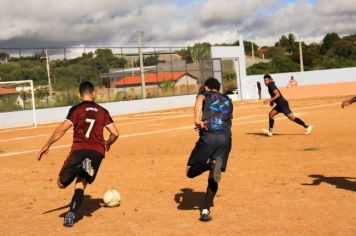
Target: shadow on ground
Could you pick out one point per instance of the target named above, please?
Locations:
(338, 182)
(87, 208)
(189, 200)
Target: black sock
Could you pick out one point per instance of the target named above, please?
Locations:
(198, 169)
(300, 122)
(76, 200)
(210, 194)
(271, 123)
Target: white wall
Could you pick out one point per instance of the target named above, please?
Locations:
(185, 80)
(303, 78)
(22, 118)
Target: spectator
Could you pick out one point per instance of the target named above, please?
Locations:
(259, 90)
(292, 82)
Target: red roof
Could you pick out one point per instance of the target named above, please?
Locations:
(8, 91)
(150, 78)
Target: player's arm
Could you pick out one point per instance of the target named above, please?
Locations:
(199, 124)
(348, 102)
(114, 134)
(56, 135)
(277, 94)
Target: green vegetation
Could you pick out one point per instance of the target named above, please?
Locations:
(332, 52)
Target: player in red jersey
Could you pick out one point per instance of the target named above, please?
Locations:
(88, 149)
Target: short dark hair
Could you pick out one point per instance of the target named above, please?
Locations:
(86, 87)
(212, 83)
(267, 76)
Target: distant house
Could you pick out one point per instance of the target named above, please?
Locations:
(8, 91)
(12, 95)
(154, 80)
(262, 51)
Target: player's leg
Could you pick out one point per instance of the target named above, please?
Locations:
(197, 169)
(271, 116)
(211, 191)
(198, 161)
(69, 170)
(84, 177)
(77, 199)
(288, 112)
(301, 122)
(219, 157)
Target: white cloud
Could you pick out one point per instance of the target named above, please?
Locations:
(336, 8)
(43, 23)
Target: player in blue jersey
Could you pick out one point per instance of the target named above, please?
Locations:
(213, 113)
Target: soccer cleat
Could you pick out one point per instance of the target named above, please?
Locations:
(267, 131)
(215, 171)
(309, 130)
(86, 166)
(205, 215)
(69, 219)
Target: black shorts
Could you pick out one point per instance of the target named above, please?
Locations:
(283, 107)
(72, 166)
(211, 145)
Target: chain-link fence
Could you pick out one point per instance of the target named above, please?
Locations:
(115, 72)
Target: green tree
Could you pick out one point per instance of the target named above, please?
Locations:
(261, 68)
(200, 51)
(166, 85)
(284, 64)
(185, 55)
(247, 46)
(343, 49)
(328, 41)
(274, 51)
(105, 60)
(4, 56)
(288, 43)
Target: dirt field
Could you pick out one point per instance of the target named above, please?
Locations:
(266, 190)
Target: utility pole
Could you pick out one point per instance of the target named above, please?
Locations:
(48, 75)
(301, 55)
(253, 50)
(143, 86)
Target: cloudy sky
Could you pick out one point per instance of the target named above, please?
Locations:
(47, 23)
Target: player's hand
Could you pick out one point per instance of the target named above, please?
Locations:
(200, 125)
(266, 101)
(107, 145)
(44, 151)
(345, 103)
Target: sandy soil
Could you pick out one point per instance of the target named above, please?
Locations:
(267, 189)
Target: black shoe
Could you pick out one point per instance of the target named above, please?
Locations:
(205, 216)
(215, 171)
(69, 219)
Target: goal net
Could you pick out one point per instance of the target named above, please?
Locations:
(18, 96)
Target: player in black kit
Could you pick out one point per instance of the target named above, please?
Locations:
(282, 106)
(213, 114)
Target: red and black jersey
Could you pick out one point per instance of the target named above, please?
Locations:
(89, 120)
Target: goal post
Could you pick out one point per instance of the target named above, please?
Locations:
(18, 95)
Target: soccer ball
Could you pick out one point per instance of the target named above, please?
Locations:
(112, 198)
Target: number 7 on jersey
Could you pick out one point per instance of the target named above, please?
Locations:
(91, 122)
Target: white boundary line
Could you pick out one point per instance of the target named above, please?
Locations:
(131, 135)
(168, 130)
